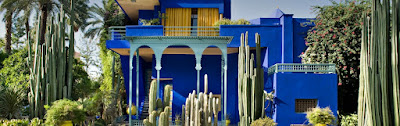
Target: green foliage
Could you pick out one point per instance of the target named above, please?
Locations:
(92, 105)
(154, 21)
(112, 17)
(15, 72)
(320, 116)
(36, 122)
(263, 122)
(64, 110)
(336, 38)
(349, 120)
(14, 122)
(11, 102)
(231, 22)
(82, 86)
(22, 122)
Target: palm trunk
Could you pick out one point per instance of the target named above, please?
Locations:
(43, 20)
(8, 32)
(27, 29)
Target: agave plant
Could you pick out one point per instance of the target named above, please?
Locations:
(11, 101)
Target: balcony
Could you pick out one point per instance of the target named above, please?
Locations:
(119, 32)
(301, 68)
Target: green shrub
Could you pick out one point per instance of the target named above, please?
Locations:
(64, 110)
(14, 122)
(36, 122)
(349, 120)
(320, 116)
(92, 105)
(154, 21)
(231, 22)
(263, 122)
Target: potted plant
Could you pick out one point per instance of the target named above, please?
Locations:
(227, 120)
(320, 116)
(178, 120)
(263, 122)
(64, 113)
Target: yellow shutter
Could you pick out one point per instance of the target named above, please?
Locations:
(207, 17)
(178, 17)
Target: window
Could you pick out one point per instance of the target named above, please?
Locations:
(304, 105)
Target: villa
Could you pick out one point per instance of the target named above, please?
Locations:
(186, 45)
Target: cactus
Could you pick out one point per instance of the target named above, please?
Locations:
(157, 107)
(200, 110)
(48, 65)
(250, 82)
(379, 89)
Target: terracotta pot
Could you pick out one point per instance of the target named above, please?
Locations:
(66, 123)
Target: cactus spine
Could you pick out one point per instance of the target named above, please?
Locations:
(379, 89)
(157, 107)
(250, 82)
(200, 110)
(48, 65)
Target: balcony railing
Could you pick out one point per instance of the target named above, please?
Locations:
(116, 32)
(191, 31)
(302, 68)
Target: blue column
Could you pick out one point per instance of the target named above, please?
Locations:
(130, 84)
(287, 38)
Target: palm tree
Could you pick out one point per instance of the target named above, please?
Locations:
(97, 15)
(9, 7)
(27, 8)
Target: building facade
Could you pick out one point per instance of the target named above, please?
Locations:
(186, 45)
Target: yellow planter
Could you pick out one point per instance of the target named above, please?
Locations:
(227, 122)
(320, 125)
(66, 123)
(133, 110)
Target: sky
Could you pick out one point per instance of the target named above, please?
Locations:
(246, 9)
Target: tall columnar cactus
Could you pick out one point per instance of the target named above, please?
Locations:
(250, 82)
(48, 65)
(379, 90)
(157, 107)
(200, 110)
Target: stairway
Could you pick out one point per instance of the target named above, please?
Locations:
(145, 111)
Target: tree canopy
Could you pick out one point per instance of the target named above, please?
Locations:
(336, 38)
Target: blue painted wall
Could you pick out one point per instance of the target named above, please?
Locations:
(291, 86)
(136, 30)
(125, 70)
(300, 29)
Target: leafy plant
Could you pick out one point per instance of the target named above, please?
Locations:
(336, 38)
(64, 110)
(263, 122)
(154, 21)
(349, 120)
(11, 102)
(15, 72)
(225, 21)
(320, 116)
(15, 122)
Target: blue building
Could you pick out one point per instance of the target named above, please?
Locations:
(186, 45)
